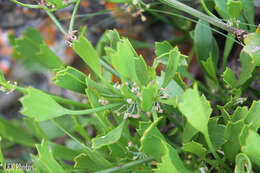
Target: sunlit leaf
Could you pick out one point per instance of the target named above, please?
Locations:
(243, 164)
(196, 109)
(87, 52)
(251, 149)
(37, 100)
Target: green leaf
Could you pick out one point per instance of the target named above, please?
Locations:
(83, 161)
(62, 152)
(70, 78)
(216, 133)
(89, 55)
(196, 109)
(253, 117)
(251, 149)
(232, 147)
(162, 48)
(210, 69)
(40, 106)
(229, 77)
(47, 58)
(110, 138)
(252, 48)
(242, 163)
(172, 65)
(234, 8)
(188, 132)
(203, 40)
(47, 160)
(195, 148)
(8, 130)
(249, 12)
(247, 68)
(221, 7)
(151, 141)
(32, 48)
(124, 61)
(239, 114)
(142, 71)
(149, 94)
(171, 162)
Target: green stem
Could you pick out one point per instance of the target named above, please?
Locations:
(228, 47)
(94, 110)
(72, 20)
(56, 22)
(206, 8)
(155, 116)
(126, 166)
(27, 5)
(109, 68)
(58, 99)
(214, 21)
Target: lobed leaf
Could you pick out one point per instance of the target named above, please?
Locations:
(195, 148)
(87, 52)
(46, 159)
(70, 78)
(110, 138)
(40, 106)
(196, 109)
(251, 149)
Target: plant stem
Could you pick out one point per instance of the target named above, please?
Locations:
(56, 22)
(72, 20)
(27, 5)
(108, 68)
(214, 21)
(127, 165)
(206, 8)
(91, 111)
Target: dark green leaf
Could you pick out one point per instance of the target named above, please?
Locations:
(232, 147)
(203, 40)
(9, 131)
(216, 133)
